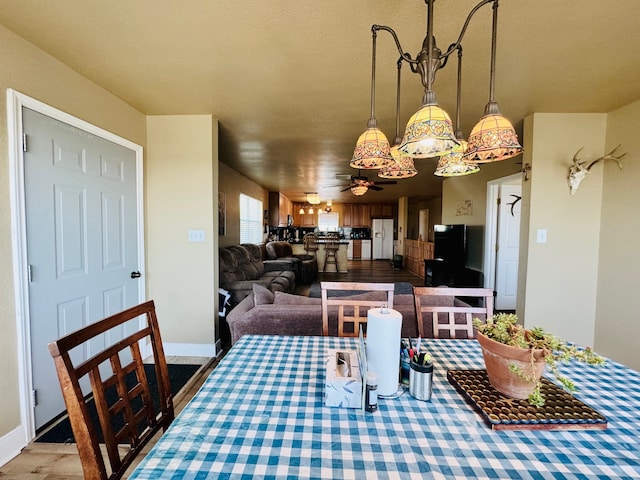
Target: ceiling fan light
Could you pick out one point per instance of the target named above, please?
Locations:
(454, 165)
(372, 150)
(401, 167)
(359, 190)
(492, 139)
(429, 133)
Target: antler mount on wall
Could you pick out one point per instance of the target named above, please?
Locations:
(578, 171)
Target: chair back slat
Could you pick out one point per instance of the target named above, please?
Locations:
(457, 318)
(359, 307)
(123, 400)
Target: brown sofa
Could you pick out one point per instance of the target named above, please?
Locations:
(304, 266)
(268, 313)
(242, 267)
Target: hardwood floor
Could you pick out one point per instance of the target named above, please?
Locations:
(367, 271)
(49, 461)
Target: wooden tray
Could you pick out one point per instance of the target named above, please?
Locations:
(561, 411)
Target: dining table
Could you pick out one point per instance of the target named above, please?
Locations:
(261, 414)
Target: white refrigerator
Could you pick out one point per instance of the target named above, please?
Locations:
(382, 238)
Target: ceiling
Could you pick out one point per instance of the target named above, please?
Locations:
(289, 81)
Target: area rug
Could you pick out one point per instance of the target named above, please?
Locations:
(179, 375)
(400, 288)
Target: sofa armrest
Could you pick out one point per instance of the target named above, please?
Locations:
(278, 265)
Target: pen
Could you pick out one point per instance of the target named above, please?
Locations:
(418, 345)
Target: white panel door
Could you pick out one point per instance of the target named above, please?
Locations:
(82, 245)
(508, 247)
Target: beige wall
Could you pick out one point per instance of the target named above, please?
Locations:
(180, 196)
(434, 205)
(561, 286)
(617, 327)
(32, 72)
(233, 184)
(473, 188)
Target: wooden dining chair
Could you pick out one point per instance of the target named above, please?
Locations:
(127, 416)
(357, 307)
(434, 304)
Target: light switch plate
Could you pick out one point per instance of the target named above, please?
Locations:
(196, 235)
(541, 235)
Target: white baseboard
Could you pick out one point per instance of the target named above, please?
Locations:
(12, 444)
(190, 349)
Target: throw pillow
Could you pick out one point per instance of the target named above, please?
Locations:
(261, 295)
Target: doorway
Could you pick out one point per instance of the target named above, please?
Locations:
(78, 243)
(502, 239)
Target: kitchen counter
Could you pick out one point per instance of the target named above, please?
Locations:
(341, 256)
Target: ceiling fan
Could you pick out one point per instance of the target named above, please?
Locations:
(363, 182)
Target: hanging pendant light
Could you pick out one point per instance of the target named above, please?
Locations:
(372, 148)
(429, 132)
(493, 138)
(453, 164)
(402, 165)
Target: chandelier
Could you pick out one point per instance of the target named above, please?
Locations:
(430, 132)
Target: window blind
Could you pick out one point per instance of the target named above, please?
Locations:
(250, 219)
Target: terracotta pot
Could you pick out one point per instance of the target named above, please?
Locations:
(498, 357)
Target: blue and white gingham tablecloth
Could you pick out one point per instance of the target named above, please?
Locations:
(261, 414)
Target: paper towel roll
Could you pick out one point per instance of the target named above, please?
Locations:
(383, 347)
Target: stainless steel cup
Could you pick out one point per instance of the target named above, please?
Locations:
(420, 381)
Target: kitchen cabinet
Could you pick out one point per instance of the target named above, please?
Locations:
(357, 249)
(346, 215)
(382, 210)
(356, 215)
(362, 214)
(280, 209)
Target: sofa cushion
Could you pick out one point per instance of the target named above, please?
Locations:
(278, 250)
(228, 267)
(262, 295)
(255, 256)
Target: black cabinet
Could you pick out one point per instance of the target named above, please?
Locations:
(439, 273)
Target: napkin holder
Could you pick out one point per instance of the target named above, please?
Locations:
(345, 373)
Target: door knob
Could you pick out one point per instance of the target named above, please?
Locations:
(136, 274)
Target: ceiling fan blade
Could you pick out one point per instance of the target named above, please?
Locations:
(374, 187)
(341, 176)
(348, 188)
(386, 182)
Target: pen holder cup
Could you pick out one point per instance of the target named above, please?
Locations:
(420, 381)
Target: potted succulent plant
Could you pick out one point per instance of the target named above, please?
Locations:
(516, 357)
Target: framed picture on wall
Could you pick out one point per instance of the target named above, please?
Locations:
(222, 213)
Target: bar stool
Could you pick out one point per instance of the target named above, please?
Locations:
(331, 246)
(310, 242)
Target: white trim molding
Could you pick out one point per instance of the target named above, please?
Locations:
(12, 444)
